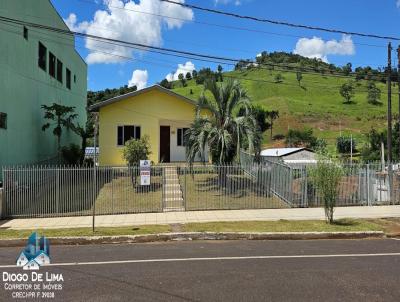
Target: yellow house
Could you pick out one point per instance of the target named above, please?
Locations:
(155, 111)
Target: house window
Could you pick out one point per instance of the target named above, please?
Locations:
(52, 65)
(68, 78)
(42, 56)
(25, 33)
(59, 71)
(3, 120)
(74, 78)
(125, 133)
(181, 141)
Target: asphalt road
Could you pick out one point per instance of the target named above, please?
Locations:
(323, 270)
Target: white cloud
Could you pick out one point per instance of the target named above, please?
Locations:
(320, 49)
(182, 68)
(398, 3)
(139, 79)
(121, 21)
(71, 22)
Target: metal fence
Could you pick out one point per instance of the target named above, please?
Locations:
(69, 191)
(43, 191)
(361, 184)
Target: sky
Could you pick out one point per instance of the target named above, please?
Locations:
(146, 22)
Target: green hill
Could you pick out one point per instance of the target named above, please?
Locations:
(316, 104)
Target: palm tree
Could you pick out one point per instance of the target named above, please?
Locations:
(224, 132)
(61, 116)
(272, 115)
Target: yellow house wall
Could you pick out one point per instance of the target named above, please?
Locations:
(144, 110)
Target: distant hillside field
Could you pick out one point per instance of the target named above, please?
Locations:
(316, 104)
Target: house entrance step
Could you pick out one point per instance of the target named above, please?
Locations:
(172, 191)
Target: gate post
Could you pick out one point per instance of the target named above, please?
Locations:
(57, 190)
(185, 187)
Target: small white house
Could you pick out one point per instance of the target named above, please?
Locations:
(290, 156)
(22, 259)
(42, 259)
(31, 265)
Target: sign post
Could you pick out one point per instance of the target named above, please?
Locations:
(145, 169)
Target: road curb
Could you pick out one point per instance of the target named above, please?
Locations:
(188, 236)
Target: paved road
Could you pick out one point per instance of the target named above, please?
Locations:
(324, 270)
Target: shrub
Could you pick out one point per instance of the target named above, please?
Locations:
(71, 154)
(278, 137)
(136, 150)
(326, 178)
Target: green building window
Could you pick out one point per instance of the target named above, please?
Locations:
(25, 33)
(42, 56)
(59, 71)
(52, 65)
(3, 120)
(68, 78)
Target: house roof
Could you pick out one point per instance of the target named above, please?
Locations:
(277, 152)
(95, 107)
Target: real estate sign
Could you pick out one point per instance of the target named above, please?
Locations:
(145, 168)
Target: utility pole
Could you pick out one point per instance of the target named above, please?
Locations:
(398, 87)
(94, 170)
(389, 113)
(389, 120)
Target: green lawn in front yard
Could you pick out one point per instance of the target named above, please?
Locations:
(388, 225)
(341, 225)
(122, 196)
(77, 232)
(203, 192)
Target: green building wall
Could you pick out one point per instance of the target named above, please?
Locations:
(24, 86)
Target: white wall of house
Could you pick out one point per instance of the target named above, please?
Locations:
(177, 153)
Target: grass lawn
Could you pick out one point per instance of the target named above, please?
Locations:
(204, 192)
(388, 225)
(121, 196)
(285, 226)
(76, 232)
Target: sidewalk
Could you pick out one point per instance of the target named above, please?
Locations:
(200, 216)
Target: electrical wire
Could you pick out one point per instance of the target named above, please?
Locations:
(276, 22)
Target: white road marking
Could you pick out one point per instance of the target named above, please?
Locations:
(214, 259)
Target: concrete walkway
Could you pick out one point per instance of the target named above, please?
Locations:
(200, 216)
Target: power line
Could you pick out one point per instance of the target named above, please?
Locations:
(215, 24)
(173, 52)
(275, 22)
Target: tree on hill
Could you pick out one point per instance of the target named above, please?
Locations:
(374, 94)
(219, 68)
(304, 138)
(299, 77)
(188, 76)
(224, 132)
(94, 97)
(204, 74)
(347, 69)
(272, 116)
(347, 91)
(278, 78)
(194, 74)
(166, 84)
(345, 144)
(182, 79)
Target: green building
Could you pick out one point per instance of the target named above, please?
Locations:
(36, 67)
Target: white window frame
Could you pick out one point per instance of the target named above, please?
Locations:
(182, 142)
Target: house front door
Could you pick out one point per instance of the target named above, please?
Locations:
(165, 143)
